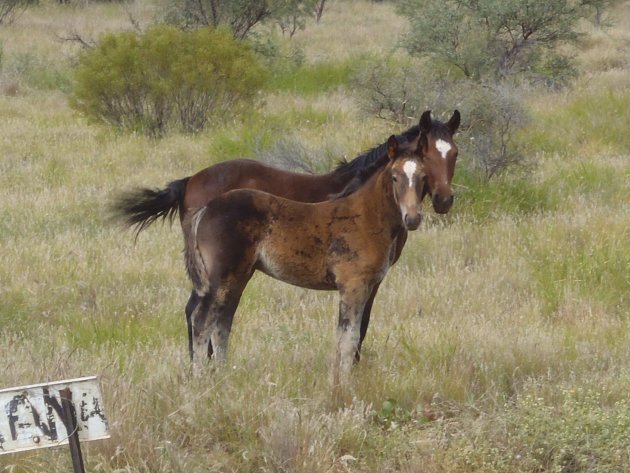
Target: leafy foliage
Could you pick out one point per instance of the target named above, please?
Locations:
(9, 9)
(239, 16)
(38, 73)
(292, 14)
(581, 430)
(493, 38)
(167, 77)
(598, 9)
(493, 114)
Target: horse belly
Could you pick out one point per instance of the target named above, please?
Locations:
(299, 270)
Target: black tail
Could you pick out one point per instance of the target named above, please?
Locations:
(141, 207)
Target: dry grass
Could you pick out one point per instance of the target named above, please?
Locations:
(499, 343)
(341, 35)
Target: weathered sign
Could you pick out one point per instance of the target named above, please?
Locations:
(33, 416)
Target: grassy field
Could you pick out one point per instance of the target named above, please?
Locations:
(500, 342)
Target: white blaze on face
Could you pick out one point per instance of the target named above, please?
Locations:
(443, 147)
(410, 169)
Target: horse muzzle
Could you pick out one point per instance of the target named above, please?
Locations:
(442, 204)
(412, 221)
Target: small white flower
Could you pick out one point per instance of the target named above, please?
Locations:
(347, 458)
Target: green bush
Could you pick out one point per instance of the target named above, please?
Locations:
(492, 114)
(167, 78)
(579, 431)
(488, 39)
(241, 17)
(38, 72)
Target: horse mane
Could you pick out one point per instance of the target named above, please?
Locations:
(367, 163)
(365, 160)
(362, 176)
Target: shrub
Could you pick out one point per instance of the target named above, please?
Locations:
(165, 78)
(492, 114)
(278, 56)
(391, 89)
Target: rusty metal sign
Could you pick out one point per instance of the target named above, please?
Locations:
(32, 416)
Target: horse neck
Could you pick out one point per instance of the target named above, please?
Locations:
(321, 186)
(376, 200)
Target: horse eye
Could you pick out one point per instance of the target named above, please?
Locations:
(394, 178)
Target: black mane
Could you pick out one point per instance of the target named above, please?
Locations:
(362, 176)
(366, 159)
(368, 162)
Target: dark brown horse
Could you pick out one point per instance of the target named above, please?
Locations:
(347, 244)
(142, 207)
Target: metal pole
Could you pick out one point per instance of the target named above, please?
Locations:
(70, 422)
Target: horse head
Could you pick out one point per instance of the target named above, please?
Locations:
(438, 152)
(408, 182)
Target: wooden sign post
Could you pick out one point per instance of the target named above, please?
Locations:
(52, 414)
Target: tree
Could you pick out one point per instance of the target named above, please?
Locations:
(291, 15)
(598, 9)
(240, 16)
(9, 9)
(488, 39)
(319, 9)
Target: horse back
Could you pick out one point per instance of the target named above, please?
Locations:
(215, 180)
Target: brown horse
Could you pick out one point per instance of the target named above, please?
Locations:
(142, 207)
(347, 244)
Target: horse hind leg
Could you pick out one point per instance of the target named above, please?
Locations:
(193, 302)
(199, 329)
(212, 323)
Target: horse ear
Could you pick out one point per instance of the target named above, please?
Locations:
(453, 123)
(425, 122)
(392, 147)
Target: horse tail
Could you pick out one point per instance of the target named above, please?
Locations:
(141, 207)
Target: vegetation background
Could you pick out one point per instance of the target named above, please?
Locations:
(500, 342)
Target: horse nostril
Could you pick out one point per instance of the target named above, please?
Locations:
(442, 204)
(412, 222)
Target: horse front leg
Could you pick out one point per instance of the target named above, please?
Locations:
(365, 321)
(353, 300)
(401, 238)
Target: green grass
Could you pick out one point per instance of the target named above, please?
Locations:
(586, 122)
(498, 343)
(506, 194)
(536, 433)
(583, 265)
(281, 139)
(35, 71)
(312, 79)
(550, 184)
